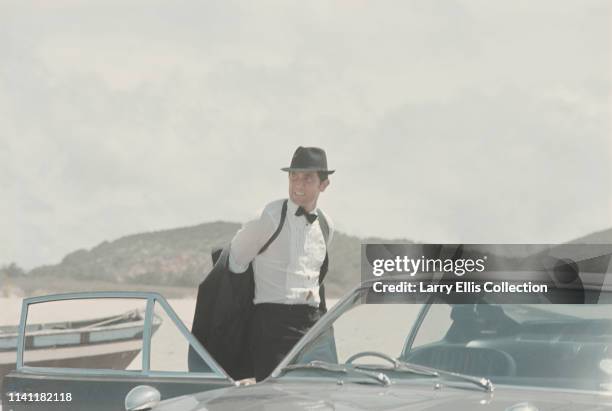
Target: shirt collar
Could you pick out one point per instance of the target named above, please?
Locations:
(292, 208)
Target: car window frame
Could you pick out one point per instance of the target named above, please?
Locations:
(416, 327)
(216, 371)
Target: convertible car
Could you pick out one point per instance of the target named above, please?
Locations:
(374, 351)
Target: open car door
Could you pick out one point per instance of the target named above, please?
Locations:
(88, 350)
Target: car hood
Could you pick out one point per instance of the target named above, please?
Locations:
(323, 396)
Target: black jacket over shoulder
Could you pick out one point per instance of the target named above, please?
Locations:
(223, 312)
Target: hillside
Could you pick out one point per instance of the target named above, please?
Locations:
(170, 258)
(598, 237)
(176, 257)
(175, 261)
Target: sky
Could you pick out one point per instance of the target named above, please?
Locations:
(456, 121)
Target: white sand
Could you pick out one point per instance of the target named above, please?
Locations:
(10, 309)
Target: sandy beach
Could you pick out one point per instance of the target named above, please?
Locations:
(10, 309)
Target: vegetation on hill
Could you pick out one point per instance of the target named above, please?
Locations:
(175, 261)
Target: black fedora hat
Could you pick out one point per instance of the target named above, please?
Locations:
(309, 159)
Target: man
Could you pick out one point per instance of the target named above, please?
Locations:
(287, 295)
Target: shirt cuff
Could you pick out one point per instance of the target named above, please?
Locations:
(234, 267)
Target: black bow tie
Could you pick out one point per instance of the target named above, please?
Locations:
(310, 217)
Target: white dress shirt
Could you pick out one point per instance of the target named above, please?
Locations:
(288, 271)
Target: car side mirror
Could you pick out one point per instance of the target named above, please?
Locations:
(142, 398)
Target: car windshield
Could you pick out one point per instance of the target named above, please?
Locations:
(545, 345)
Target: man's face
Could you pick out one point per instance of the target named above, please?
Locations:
(304, 188)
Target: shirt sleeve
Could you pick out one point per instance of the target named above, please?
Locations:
(248, 241)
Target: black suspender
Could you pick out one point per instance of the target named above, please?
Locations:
(278, 229)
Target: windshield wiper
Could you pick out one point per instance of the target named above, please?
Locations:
(379, 377)
(400, 366)
(482, 382)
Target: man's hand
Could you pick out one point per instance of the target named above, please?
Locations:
(246, 381)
